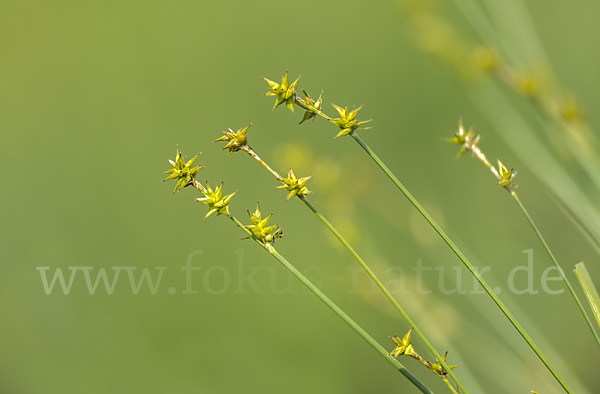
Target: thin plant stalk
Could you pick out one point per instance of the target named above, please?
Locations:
(450, 386)
(338, 311)
(590, 290)
(456, 251)
(464, 260)
(368, 270)
(471, 144)
(560, 270)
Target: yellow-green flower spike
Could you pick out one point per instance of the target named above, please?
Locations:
(255, 217)
(438, 369)
(183, 171)
(235, 139)
(295, 187)
(215, 200)
(466, 139)
(403, 346)
(284, 91)
(311, 106)
(347, 121)
(506, 176)
(260, 228)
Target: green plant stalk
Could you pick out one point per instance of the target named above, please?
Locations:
(464, 260)
(368, 270)
(481, 156)
(590, 290)
(450, 386)
(560, 270)
(386, 292)
(338, 311)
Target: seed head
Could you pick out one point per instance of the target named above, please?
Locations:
(311, 106)
(215, 200)
(284, 91)
(183, 171)
(506, 176)
(260, 228)
(438, 369)
(296, 187)
(403, 346)
(235, 139)
(347, 121)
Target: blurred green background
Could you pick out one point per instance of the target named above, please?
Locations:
(94, 98)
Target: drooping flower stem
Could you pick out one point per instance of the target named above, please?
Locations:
(559, 268)
(463, 259)
(338, 311)
(367, 269)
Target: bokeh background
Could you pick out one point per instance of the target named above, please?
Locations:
(94, 98)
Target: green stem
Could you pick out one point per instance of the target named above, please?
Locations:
(464, 260)
(338, 311)
(385, 291)
(366, 268)
(590, 290)
(450, 386)
(560, 270)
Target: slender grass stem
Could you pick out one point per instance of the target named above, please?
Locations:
(590, 290)
(385, 291)
(560, 270)
(367, 269)
(464, 260)
(450, 386)
(338, 311)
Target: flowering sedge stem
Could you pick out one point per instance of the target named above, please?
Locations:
(338, 311)
(505, 177)
(364, 265)
(560, 270)
(464, 260)
(385, 291)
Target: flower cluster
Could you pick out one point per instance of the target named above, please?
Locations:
(311, 106)
(347, 121)
(183, 171)
(506, 176)
(284, 91)
(261, 230)
(215, 200)
(235, 139)
(467, 139)
(404, 347)
(295, 187)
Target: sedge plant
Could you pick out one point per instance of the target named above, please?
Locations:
(347, 125)
(265, 235)
(296, 187)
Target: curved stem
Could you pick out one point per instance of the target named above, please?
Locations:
(338, 311)
(560, 270)
(464, 260)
